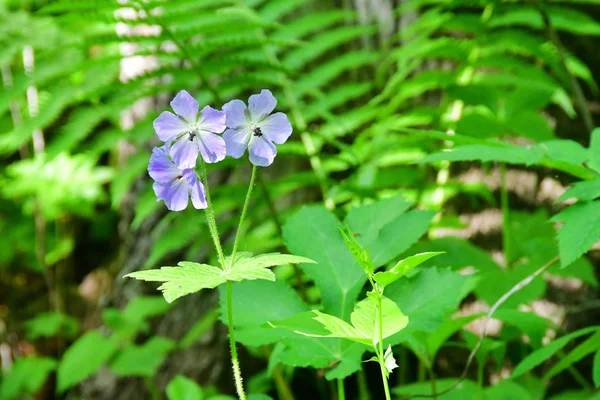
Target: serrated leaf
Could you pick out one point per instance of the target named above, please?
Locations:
(580, 231)
(83, 358)
(251, 268)
(365, 318)
(541, 355)
(361, 255)
(183, 388)
(314, 232)
(584, 191)
(179, 281)
(385, 278)
(143, 360)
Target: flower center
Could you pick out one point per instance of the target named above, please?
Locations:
(191, 135)
(257, 131)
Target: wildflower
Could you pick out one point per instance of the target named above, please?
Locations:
(173, 185)
(254, 128)
(190, 133)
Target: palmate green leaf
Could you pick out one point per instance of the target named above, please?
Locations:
(142, 360)
(589, 346)
(183, 388)
(580, 231)
(315, 233)
(190, 277)
(385, 278)
(365, 318)
(83, 358)
(544, 353)
(385, 229)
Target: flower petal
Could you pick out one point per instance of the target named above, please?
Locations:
(236, 141)
(185, 152)
(212, 147)
(161, 168)
(236, 113)
(168, 126)
(261, 105)
(185, 106)
(212, 120)
(174, 194)
(196, 189)
(277, 127)
(262, 151)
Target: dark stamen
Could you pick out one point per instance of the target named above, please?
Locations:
(191, 136)
(257, 132)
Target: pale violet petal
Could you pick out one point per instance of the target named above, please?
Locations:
(185, 152)
(212, 120)
(196, 189)
(261, 105)
(236, 114)
(276, 127)
(185, 106)
(212, 147)
(262, 151)
(236, 141)
(174, 194)
(161, 168)
(168, 126)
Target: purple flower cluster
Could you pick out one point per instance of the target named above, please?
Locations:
(172, 166)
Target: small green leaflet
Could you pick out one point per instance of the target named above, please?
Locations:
(388, 359)
(580, 231)
(361, 254)
(190, 277)
(385, 278)
(364, 328)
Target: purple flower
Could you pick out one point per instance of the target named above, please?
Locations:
(173, 185)
(255, 129)
(190, 133)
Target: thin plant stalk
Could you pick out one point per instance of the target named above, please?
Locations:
(243, 215)
(212, 227)
(341, 391)
(381, 354)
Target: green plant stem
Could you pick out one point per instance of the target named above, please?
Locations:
(381, 354)
(243, 215)
(237, 373)
(505, 217)
(363, 389)
(432, 379)
(154, 392)
(340, 389)
(212, 227)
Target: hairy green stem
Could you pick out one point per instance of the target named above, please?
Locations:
(212, 227)
(243, 215)
(381, 354)
(340, 389)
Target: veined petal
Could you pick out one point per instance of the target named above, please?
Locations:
(161, 168)
(262, 151)
(185, 106)
(212, 147)
(168, 126)
(236, 141)
(196, 189)
(174, 194)
(185, 152)
(236, 113)
(277, 127)
(212, 120)
(261, 105)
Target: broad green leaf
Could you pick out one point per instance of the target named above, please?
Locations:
(25, 377)
(385, 229)
(506, 390)
(247, 267)
(257, 302)
(541, 355)
(580, 231)
(465, 390)
(486, 153)
(179, 281)
(317, 324)
(584, 191)
(83, 358)
(594, 161)
(385, 278)
(314, 232)
(143, 360)
(51, 324)
(590, 345)
(533, 325)
(361, 255)
(596, 369)
(365, 318)
(182, 388)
